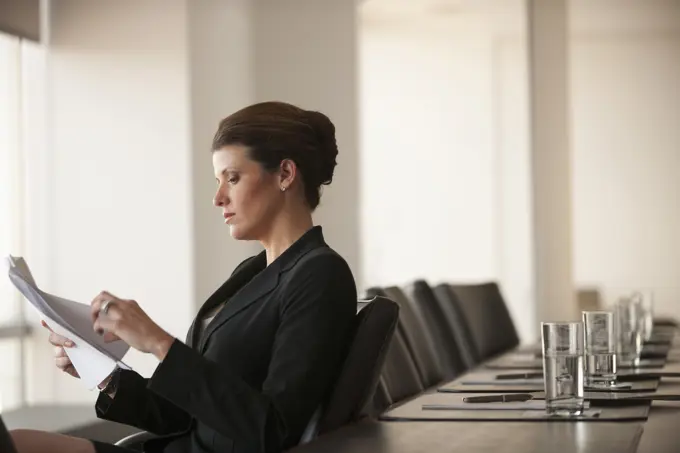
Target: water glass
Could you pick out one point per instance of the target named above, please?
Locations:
(600, 348)
(629, 336)
(644, 301)
(563, 367)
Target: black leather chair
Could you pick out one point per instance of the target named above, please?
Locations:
(452, 314)
(485, 311)
(448, 351)
(415, 333)
(6, 444)
(399, 379)
(352, 395)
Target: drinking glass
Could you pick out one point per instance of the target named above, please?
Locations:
(600, 348)
(563, 367)
(629, 337)
(644, 301)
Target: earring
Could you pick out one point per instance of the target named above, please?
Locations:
(283, 189)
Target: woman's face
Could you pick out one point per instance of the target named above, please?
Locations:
(249, 196)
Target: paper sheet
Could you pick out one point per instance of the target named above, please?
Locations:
(92, 358)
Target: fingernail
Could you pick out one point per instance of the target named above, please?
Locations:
(69, 344)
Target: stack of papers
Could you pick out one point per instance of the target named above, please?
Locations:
(92, 358)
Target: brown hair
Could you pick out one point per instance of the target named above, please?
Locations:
(274, 131)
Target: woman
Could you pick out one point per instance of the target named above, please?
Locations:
(264, 349)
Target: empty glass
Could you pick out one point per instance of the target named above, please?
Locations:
(644, 301)
(629, 336)
(563, 367)
(600, 348)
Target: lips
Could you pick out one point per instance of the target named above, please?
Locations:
(227, 216)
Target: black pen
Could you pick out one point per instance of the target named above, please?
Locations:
(507, 398)
(519, 376)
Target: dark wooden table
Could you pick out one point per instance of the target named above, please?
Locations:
(479, 437)
(659, 434)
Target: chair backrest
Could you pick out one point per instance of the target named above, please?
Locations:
(399, 378)
(487, 315)
(416, 335)
(6, 444)
(452, 314)
(448, 351)
(376, 322)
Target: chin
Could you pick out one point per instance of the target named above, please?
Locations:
(239, 233)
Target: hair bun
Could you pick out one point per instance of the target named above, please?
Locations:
(325, 160)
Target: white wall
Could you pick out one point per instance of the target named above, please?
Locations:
(626, 118)
(221, 82)
(305, 53)
(118, 194)
(444, 163)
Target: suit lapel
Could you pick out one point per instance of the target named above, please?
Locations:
(260, 285)
(250, 283)
(241, 276)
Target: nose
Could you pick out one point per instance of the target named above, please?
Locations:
(220, 199)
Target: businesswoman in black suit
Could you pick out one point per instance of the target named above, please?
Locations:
(265, 348)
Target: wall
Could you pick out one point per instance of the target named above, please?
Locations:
(305, 53)
(626, 112)
(444, 161)
(221, 81)
(119, 211)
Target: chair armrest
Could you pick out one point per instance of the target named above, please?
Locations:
(135, 440)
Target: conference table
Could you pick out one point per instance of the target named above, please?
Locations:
(630, 426)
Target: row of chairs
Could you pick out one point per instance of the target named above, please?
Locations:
(442, 332)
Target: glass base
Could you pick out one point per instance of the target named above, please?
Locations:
(566, 407)
(607, 385)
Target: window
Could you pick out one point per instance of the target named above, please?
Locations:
(16, 84)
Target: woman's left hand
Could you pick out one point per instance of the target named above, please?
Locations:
(125, 320)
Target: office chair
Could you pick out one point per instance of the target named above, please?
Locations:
(488, 318)
(452, 314)
(448, 351)
(352, 394)
(6, 444)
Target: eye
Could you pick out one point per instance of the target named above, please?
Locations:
(232, 180)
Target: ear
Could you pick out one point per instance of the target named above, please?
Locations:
(287, 173)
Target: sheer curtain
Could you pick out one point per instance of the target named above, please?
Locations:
(13, 77)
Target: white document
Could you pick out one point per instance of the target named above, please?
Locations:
(92, 358)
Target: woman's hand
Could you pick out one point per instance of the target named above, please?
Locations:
(124, 320)
(60, 358)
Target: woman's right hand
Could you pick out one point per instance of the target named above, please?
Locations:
(60, 358)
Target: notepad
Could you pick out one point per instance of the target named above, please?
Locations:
(92, 358)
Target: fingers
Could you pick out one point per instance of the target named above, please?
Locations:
(110, 337)
(58, 340)
(63, 363)
(104, 325)
(97, 302)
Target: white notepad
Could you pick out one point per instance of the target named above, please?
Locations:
(92, 358)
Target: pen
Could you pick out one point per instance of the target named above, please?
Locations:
(512, 397)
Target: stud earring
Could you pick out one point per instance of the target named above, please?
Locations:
(283, 189)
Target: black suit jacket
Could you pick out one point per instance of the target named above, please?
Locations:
(253, 379)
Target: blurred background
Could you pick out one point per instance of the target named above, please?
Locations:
(533, 143)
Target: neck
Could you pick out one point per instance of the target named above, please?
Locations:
(286, 231)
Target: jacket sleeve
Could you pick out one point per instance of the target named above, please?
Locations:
(317, 310)
(135, 405)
